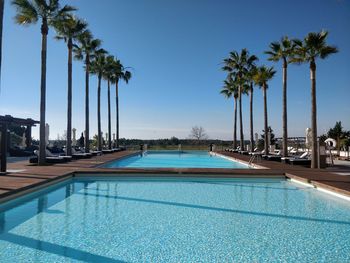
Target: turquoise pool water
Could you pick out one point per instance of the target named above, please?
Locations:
(175, 159)
(176, 220)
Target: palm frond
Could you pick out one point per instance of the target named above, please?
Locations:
(54, 5)
(26, 12)
(328, 50)
(41, 7)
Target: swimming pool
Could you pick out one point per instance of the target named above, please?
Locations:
(175, 159)
(175, 220)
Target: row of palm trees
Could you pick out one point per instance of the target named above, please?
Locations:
(83, 46)
(244, 73)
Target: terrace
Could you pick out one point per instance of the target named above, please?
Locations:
(23, 178)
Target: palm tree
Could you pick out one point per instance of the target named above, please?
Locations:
(29, 12)
(283, 50)
(120, 73)
(313, 47)
(230, 89)
(108, 75)
(1, 23)
(238, 65)
(97, 67)
(262, 75)
(69, 30)
(85, 50)
(250, 88)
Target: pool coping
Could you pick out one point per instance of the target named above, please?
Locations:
(92, 167)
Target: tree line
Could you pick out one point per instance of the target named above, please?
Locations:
(81, 45)
(243, 74)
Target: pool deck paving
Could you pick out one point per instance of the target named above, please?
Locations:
(23, 177)
(324, 178)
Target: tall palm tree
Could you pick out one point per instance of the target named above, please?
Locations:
(108, 75)
(230, 89)
(238, 65)
(250, 88)
(285, 51)
(262, 75)
(120, 73)
(29, 12)
(97, 67)
(69, 30)
(313, 47)
(1, 24)
(85, 50)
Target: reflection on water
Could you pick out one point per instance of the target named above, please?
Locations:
(176, 221)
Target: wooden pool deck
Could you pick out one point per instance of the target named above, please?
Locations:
(23, 177)
(318, 177)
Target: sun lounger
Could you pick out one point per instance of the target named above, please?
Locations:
(303, 156)
(80, 155)
(119, 149)
(274, 158)
(105, 151)
(34, 159)
(303, 162)
(95, 153)
(50, 154)
(254, 151)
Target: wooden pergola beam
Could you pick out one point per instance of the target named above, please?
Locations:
(5, 121)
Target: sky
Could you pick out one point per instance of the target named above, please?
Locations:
(176, 48)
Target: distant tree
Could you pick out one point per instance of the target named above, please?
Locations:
(174, 140)
(198, 133)
(323, 137)
(81, 140)
(261, 142)
(94, 142)
(339, 134)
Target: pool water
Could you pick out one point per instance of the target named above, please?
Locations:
(176, 220)
(175, 159)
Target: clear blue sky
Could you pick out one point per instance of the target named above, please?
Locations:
(175, 48)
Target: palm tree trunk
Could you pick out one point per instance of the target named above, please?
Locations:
(241, 120)
(109, 116)
(117, 111)
(87, 122)
(284, 111)
(42, 143)
(99, 139)
(69, 101)
(1, 25)
(266, 143)
(251, 118)
(314, 160)
(235, 125)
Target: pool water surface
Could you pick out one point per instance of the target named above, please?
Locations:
(175, 220)
(175, 159)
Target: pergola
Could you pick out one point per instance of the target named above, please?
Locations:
(5, 121)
